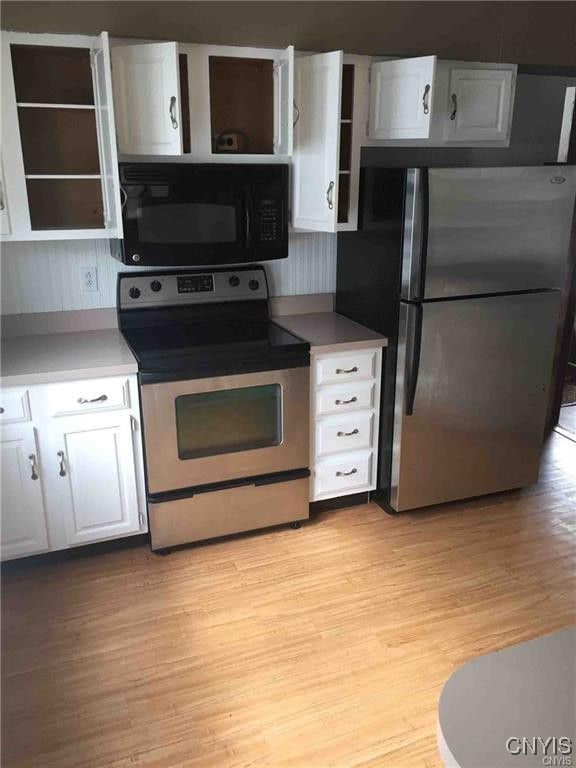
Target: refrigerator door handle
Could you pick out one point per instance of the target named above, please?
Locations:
(415, 240)
(413, 347)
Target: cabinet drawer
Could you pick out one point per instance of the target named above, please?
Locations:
(88, 395)
(343, 474)
(14, 406)
(346, 367)
(350, 433)
(340, 398)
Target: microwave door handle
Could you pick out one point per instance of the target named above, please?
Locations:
(248, 221)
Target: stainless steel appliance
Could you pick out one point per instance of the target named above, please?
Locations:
(224, 393)
(189, 214)
(462, 268)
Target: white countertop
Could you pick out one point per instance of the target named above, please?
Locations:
(53, 357)
(330, 332)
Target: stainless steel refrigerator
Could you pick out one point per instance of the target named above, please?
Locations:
(462, 268)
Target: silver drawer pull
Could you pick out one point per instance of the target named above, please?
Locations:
(347, 370)
(345, 474)
(32, 460)
(345, 402)
(84, 400)
(347, 434)
(62, 471)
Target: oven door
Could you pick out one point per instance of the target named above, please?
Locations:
(185, 216)
(214, 430)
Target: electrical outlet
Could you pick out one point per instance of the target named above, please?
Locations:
(89, 278)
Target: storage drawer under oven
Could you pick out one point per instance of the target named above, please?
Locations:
(226, 511)
(213, 430)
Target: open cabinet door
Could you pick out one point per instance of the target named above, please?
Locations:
(318, 93)
(107, 135)
(401, 98)
(147, 98)
(284, 97)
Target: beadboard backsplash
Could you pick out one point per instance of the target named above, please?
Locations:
(46, 276)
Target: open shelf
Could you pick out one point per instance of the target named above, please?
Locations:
(65, 203)
(347, 92)
(242, 105)
(343, 197)
(59, 141)
(51, 75)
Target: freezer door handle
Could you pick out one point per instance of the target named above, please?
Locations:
(413, 346)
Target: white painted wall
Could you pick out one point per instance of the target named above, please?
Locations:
(46, 276)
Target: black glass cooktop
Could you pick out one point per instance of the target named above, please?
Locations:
(214, 348)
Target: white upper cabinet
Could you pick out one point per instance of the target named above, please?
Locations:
(480, 101)
(147, 98)
(317, 93)
(59, 142)
(401, 98)
(425, 102)
(24, 530)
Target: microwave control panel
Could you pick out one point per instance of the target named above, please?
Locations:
(269, 220)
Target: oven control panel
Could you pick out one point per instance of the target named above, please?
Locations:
(164, 289)
(195, 283)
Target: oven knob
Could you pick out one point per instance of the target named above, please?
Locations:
(156, 285)
(134, 292)
(253, 285)
(234, 281)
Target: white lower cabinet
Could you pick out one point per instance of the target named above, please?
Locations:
(345, 400)
(24, 528)
(72, 479)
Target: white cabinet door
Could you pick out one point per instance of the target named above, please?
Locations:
(24, 529)
(284, 102)
(94, 478)
(480, 104)
(318, 86)
(146, 84)
(105, 122)
(401, 98)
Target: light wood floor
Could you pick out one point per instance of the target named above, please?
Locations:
(327, 646)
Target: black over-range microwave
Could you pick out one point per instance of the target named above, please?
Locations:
(182, 214)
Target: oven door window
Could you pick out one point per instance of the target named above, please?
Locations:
(227, 421)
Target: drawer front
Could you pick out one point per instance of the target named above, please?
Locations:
(88, 395)
(353, 432)
(341, 398)
(342, 474)
(14, 406)
(346, 367)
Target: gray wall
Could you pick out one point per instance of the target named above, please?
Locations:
(536, 124)
(522, 32)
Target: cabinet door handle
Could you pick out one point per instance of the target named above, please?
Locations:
(100, 399)
(426, 99)
(61, 464)
(1, 409)
(296, 113)
(2, 203)
(347, 370)
(454, 106)
(329, 195)
(32, 460)
(345, 402)
(347, 434)
(172, 111)
(345, 474)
